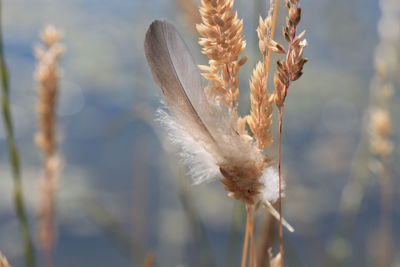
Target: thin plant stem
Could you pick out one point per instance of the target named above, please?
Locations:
(267, 61)
(246, 241)
(253, 247)
(249, 249)
(235, 233)
(48, 251)
(14, 160)
(281, 248)
(251, 236)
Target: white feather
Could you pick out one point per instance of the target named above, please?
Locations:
(200, 163)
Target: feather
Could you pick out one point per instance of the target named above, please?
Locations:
(174, 71)
(206, 131)
(201, 164)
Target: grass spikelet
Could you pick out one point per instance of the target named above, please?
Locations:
(3, 261)
(289, 69)
(222, 41)
(48, 74)
(260, 118)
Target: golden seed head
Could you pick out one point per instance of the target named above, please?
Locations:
(260, 119)
(222, 40)
(290, 69)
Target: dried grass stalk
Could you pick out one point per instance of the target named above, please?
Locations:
(380, 129)
(215, 142)
(48, 75)
(222, 41)
(260, 118)
(289, 69)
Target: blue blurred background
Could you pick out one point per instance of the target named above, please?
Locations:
(123, 192)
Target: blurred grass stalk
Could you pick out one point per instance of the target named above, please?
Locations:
(376, 137)
(14, 158)
(380, 128)
(47, 74)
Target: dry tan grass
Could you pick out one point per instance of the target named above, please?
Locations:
(48, 75)
(222, 42)
(290, 69)
(200, 126)
(260, 118)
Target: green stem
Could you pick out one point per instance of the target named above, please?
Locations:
(14, 160)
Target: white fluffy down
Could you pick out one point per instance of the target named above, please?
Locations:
(270, 179)
(200, 164)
